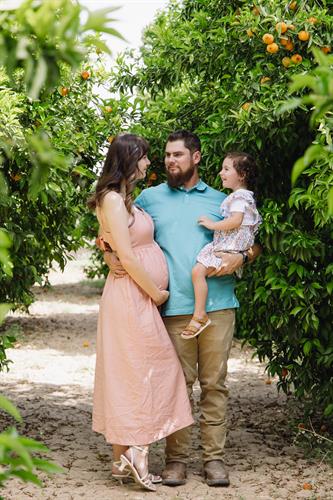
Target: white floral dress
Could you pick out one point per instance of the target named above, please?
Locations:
(235, 240)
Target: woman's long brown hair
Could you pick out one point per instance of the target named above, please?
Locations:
(120, 169)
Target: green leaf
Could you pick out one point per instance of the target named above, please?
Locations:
(301, 81)
(328, 410)
(32, 444)
(307, 347)
(39, 78)
(314, 152)
(298, 168)
(330, 202)
(13, 444)
(6, 405)
(289, 105)
(4, 309)
(3, 185)
(82, 170)
(27, 476)
(5, 240)
(49, 467)
(296, 310)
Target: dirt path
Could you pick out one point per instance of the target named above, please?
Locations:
(51, 383)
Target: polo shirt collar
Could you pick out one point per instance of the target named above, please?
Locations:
(200, 186)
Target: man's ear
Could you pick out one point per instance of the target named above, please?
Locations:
(196, 157)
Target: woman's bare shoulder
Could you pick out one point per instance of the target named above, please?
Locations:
(112, 199)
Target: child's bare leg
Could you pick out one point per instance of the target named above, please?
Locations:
(199, 280)
(199, 320)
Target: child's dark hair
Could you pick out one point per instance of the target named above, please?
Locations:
(245, 166)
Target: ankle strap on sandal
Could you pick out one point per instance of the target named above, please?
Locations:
(142, 449)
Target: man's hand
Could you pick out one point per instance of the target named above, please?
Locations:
(114, 265)
(231, 262)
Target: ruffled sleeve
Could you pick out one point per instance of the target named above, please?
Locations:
(243, 201)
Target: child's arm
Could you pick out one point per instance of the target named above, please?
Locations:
(232, 222)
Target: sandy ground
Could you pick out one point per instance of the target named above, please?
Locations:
(51, 382)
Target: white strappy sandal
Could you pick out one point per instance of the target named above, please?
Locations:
(127, 475)
(128, 462)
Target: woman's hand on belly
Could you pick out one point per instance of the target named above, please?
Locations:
(113, 263)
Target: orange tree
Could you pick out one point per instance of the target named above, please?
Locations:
(223, 70)
(52, 132)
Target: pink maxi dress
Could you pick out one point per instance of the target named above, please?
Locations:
(140, 393)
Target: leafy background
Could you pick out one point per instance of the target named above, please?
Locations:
(204, 66)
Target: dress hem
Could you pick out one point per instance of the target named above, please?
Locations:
(139, 442)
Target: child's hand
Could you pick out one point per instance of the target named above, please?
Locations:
(206, 222)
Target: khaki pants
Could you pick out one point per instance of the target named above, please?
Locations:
(205, 357)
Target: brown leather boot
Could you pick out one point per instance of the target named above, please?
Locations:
(216, 474)
(174, 474)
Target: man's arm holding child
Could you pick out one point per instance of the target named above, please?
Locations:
(232, 261)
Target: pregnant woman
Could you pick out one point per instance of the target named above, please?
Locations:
(140, 393)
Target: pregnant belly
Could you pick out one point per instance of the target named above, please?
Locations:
(153, 260)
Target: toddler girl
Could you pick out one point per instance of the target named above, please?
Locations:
(234, 234)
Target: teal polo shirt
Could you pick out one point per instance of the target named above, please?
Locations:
(175, 212)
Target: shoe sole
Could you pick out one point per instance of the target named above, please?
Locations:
(173, 482)
(218, 482)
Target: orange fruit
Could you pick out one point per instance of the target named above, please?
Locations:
(268, 38)
(296, 58)
(286, 62)
(289, 45)
(281, 27)
(301, 426)
(264, 80)
(85, 75)
(256, 11)
(16, 177)
(293, 6)
(284, 41)
(108, 109)
(249, 33)
(246, 106)
(326, 50)
(64, 91)
(272, 48)
(307, 486)
(304, 36)
(291, 27)
(268, 381)
(110, 138)
(153, 176)
(312, 20)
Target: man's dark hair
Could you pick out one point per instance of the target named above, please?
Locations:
(191, 140)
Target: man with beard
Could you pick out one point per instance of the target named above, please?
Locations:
(175, 208)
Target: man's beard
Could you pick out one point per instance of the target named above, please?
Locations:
(179, 178)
